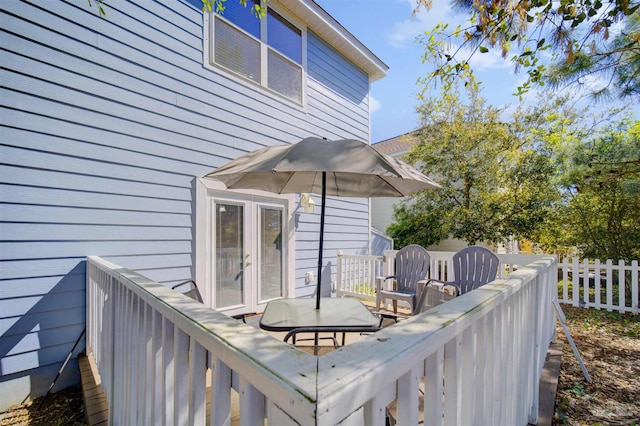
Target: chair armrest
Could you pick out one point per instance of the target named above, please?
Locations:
(381, 279)
(443, 286)
(435, 281)
(388, 315)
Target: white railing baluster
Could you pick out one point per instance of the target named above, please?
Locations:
(158, 369)
(168, 368)
(197, 385)
(468, 375)
(433, 387)
(453, 381)
(149, 367)
(139, 343)
(220, 394)
(181, 377)
(489, 373)
(408, 392)
(252, 406)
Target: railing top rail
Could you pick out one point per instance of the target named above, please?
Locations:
(361, 256)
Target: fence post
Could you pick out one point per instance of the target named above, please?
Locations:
(609, 285)
(634, 286)
(575, 282)
(565, 280)
(596, 283)
(585, 282)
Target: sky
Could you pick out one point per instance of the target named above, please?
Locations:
(389, 29)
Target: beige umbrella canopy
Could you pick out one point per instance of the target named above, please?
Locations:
(346, 168)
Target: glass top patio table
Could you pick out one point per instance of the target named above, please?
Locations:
(335, 314)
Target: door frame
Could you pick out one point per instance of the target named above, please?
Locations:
(205, 191)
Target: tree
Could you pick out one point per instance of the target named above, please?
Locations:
(577, 32)
(601, 210)
(494, 185)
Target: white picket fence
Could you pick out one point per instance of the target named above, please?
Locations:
(166, 359)
(595, 285)
(592, 284)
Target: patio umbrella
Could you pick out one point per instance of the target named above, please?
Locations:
(346, 168)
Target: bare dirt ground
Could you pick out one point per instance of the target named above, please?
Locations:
(609, 344)
(61, 408)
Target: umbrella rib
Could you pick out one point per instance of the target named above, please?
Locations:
(392, 186)
(286, 182)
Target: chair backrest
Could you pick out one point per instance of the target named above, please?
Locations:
(412, 265)
(473, 267)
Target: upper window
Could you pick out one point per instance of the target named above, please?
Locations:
(266, 51)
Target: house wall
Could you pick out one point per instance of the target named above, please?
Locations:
(105, 123)
(382, 212)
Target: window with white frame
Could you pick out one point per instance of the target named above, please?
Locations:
(267, 51)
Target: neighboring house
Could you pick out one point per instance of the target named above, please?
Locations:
(382, 208)
(107, 125)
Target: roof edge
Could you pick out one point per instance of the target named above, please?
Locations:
(321, 22)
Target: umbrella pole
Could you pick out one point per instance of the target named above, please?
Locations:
(324, 196)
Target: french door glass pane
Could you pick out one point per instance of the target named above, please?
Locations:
(270, 253)
(229, 249)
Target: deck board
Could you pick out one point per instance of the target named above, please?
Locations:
(96, 407)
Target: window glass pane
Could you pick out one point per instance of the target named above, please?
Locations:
(237, 51)
(242, 16)
(285, 77)
(284, 37)
(229, 247)
(271, 273)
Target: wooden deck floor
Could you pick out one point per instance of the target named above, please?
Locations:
(95, 402)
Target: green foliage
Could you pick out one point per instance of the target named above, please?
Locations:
(258, 9)
(495, 184)
(601, 209)
(99, 4)
(577, 32)
(413, 226)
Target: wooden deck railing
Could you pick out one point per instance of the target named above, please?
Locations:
(594, 284)
(165, 359)
(355, 274)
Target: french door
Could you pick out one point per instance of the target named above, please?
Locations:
(247, 263)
